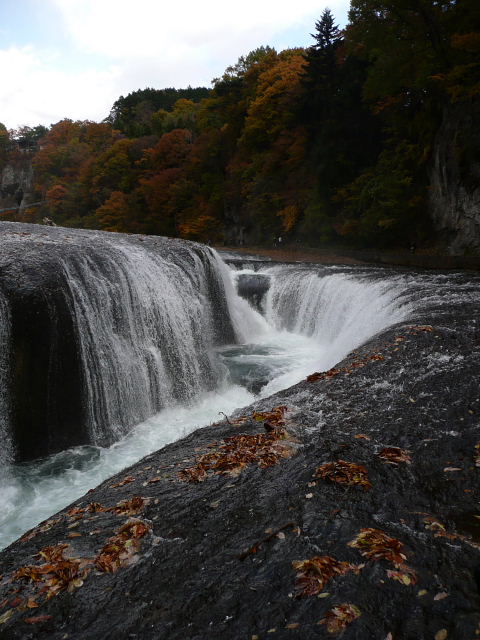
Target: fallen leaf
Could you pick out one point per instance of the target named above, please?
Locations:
(342, 472)
(313, 574)
(395, 455)
(6, 616)
(453, 469)
(309, 495)
(339, 617)
(377, 545)
(405, 575)
(123, 482)
(292, 625)
(37, 619)
(441, 635)
(441, 596)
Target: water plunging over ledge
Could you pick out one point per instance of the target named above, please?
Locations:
(168, 344)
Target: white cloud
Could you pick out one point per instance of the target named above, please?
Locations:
(119, 46)
(120, 28)
(35, 91)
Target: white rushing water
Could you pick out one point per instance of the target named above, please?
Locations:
(311, 319)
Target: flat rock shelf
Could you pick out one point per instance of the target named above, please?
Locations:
(344, 505)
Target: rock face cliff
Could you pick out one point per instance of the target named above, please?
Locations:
(16, 181)
(455, 180)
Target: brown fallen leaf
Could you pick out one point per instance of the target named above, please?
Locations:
(339, 617)
(395, 455)
(377, 545)
(405, 575)
(313, 574)
(6, 616)
(342, 472)
(123, 482)
(441, 635)
(37, 619)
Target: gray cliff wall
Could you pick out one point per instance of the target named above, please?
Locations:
(16, 181)
(455, 180)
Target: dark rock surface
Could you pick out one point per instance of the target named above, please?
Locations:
(455, 172)
(216, 560)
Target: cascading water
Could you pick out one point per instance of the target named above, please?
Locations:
(146, 331)
(165, 343)
(5, 435)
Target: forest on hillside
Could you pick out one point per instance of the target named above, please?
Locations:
(329, 144)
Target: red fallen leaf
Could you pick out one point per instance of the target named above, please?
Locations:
(394, 455)
(52, 553)
(377, 545)
(37, 619)
(131, 507)
(15, 601)
(74, 511)
(32, 604)
(123, 482)
(154, 480)
(377, 356)
(342, 472)
(74, 535)
(362, 436)
(405, 575)
(313, 574)
(415, 329)
(274, 417)
(339, 617)
(95, 507)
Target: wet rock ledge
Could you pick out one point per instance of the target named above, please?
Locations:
(353, 511)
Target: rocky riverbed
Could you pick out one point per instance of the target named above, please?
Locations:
(347, 504)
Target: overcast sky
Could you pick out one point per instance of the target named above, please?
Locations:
(74, 58)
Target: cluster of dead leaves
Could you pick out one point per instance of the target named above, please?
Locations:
(273, 419)
(131, 507)
(123, 482)
(347, 473)
(433, 524)
(121, 549)
(419, 328)
(375, 545)
(339, 617)
(395, 455)
(236, 452)
(55, 574)
(313, 574)
(356, 364)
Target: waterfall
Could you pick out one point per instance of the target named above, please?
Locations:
(6, 448)
(147, 326)
(339, 311)
(127, 343)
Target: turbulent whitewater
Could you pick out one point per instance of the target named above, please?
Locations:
(114, 345)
